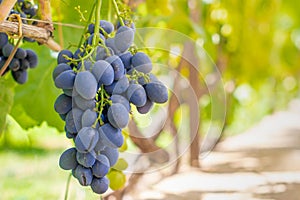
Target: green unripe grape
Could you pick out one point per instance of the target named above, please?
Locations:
(121, 164)
(117, 179)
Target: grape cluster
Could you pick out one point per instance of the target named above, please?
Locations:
(23, 59)
(100, 83)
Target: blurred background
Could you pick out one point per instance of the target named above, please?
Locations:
(236, 137)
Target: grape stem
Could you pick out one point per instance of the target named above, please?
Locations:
(102, 104)
(97, 25)
(109, 11)
(86, 26)
(11, 56)
(118, 12)
(67, 187)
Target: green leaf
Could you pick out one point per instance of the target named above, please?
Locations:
(6, 100)
(14, 135)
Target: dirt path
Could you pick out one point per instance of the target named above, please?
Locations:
(261, 164)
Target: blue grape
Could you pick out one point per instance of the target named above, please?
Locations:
(107, 26)
(90, 39)
(32, 58)
(141, 62)
(157, 92)
(101, 53)
(84, 104)
(110, 42)
(91, 28)
(101, 166)
(120, 99)
(145, 108)
(68, 92)
(124, 38)
(64, 56)
(70, 135)
(24, 64)
(59, 69)
(136, 94)
(84, 175)
(77, 116)
(118, 115)
(3, 40)
(65, 80)
(67, 159)
(103, 72)
(111, 136)
(20, 76)
(7, 49)
(143, 81)
(126, 59)
(121, 86)
(86, 85)
(63, 116)
(14, 64)
(86, 139)
(20, 53)
(117, 65)
(88, 118)
(86, 159)
(112, 154)
(70, 122)
(99, 146)
(110, 88)
(63, 104)
(100, 185)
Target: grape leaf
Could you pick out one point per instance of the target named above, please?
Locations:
(6, 100)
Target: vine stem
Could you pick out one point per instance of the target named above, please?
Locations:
(67, 187)
(97, 25)
(11, 56)
(118, 12)
(109, 11)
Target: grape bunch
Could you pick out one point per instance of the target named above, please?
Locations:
(23, 59)
(100, 83)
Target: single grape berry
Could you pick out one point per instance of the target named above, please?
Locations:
(157, 92)
(64, 56)
(124, 38)
(67, 159)
(101, 166)
(136, 94)
(86, 85)
(100, 185)
(86, 139)
(111, 135)
(117, 65)
(83, 175)
(118, 115)
(141, 62)
(20, 76)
